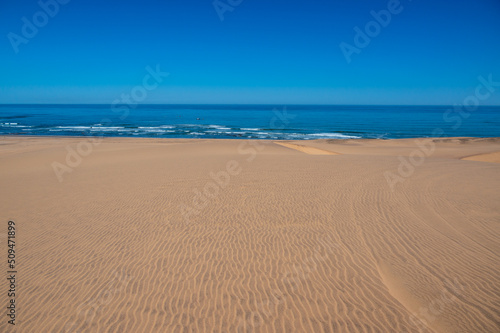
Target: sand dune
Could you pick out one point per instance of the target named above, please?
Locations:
(306, 149)
(491, 157)
(148, 235)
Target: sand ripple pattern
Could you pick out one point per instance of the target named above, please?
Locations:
(294, 243)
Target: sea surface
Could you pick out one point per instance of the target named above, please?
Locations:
(290, 122)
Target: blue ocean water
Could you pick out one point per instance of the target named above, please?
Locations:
(249, 121)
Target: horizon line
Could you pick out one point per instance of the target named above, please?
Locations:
(240, 104)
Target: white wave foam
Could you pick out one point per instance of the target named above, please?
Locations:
(218, 127)
(332, 136)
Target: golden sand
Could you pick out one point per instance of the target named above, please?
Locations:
(306, 149)
(491, 157)
(146, 235)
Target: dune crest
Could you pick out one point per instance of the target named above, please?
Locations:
(306, 149)
(491, 157)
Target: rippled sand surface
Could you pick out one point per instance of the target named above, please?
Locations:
(145, 235)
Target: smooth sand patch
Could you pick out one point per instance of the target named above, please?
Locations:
(306, 149)
(491, 157)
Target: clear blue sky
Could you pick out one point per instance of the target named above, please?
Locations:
(264, 51)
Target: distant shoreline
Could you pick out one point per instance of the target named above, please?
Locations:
(238, 139)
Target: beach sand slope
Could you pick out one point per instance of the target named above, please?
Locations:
(150, 235)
